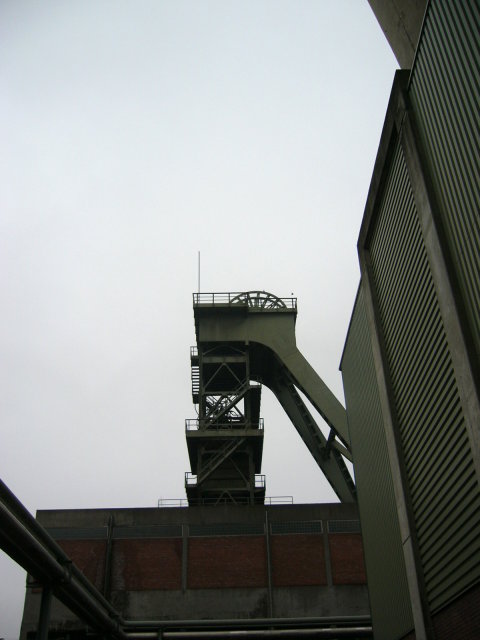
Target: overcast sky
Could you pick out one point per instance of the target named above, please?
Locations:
(133, 135)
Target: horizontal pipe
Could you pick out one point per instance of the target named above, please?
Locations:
(259, 634)
(32, 555)
(88, 609)
(27, 548)
(24, 516)
(249, 622)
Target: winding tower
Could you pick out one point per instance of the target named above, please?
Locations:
(245, 340)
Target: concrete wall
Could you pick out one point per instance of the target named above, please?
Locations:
(400, 21)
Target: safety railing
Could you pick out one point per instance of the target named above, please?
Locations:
(183, 502)
(278, 500)
(191, 480)
(259, 299)
(172, 502)
(197, 424)
(260, 482)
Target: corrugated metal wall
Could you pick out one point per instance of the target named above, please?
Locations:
(441, 477)
(389, 598)
(445, 96)
(440, 484)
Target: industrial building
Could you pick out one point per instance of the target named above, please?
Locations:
(411, 361)
(232, 554)
(208, 563)
(411, 374)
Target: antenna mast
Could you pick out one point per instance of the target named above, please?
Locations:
(199, 272)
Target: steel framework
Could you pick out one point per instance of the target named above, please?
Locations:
(225, 442)
(243, 340)
(30, 545)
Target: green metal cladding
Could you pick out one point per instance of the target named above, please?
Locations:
(445, 96)
(419, 303)
(389, 599)
(441, 476)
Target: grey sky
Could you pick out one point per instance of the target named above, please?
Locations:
(132, 135)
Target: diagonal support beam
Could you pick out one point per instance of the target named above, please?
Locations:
(331, 463)
(220, 457)
(220, 409)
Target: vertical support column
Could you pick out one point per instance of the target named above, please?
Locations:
(44, 617)
(269, 565)
(107, 581)
(251, 476)
(248, 402)
(184, 557)
(327, 555)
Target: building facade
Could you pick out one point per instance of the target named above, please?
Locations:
(247, 562)
(411, 360)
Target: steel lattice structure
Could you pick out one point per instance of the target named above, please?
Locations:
(245, 340)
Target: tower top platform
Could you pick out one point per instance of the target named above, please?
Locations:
(209, 305)
(252, 300)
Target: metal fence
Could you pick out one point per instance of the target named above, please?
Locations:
(191, 480)
(196, 424)
(183, 502)
(259, 299)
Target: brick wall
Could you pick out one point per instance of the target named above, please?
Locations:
(235, 561)
(216, 562)
(460, 619)
(204, 562)
(298, 560)
(147, 564)
(346, 552)
(89, 556)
